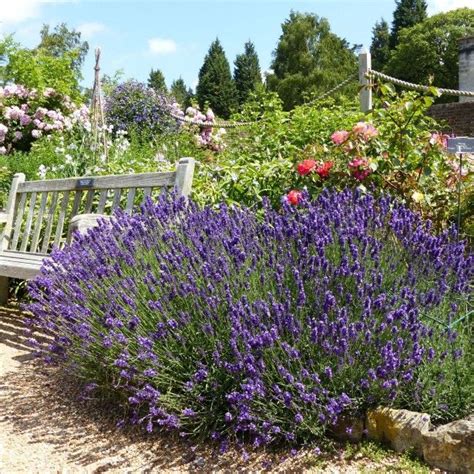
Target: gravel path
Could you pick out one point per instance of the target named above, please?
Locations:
(45, 429)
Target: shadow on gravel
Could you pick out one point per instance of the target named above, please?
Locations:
(40, 401)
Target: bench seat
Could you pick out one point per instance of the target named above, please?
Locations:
(21, 265)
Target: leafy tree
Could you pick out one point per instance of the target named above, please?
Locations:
(380, 47)
(37, 69)
(156, 80)
(407, 13)
(429, 50)
(247, 75)
(309, 59)
(216, 86)
(63, 41)
(180, 93)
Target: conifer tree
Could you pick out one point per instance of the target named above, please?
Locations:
(247, 75)
(180, 93)
(216, 87)
(380, 47)
(156, 80)
(407, 13)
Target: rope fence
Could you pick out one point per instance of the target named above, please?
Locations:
(419, 87)
(227, 124)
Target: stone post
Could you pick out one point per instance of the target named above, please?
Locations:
(466, 67)
(365, 94)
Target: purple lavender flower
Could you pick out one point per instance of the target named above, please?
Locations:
(271, 326)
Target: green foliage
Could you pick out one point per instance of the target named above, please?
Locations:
(429, 51)
(38, 69)
(407, 13)
(182, 95)
(62, 41)
(156, 81)
(247, 75)
(259, 160)
(216, 87)
(309, 59)
(380, 47)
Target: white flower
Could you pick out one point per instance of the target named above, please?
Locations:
(42, 171)
(68, 159)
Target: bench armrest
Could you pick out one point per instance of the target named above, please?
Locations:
(83, 222)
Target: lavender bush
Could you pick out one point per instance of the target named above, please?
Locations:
(222, 323)
(134, 106)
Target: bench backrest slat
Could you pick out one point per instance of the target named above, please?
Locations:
(19, 220)
(38, 222)
(62, 217)
(102, 201)
(89, 201)
(39, 212)
(130, 199)
(146, 193)
(29, 220)
(117, 196)
(49, 221)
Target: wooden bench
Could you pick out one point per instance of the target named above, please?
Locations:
(38, 213)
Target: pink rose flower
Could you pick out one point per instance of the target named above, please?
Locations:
(359, 167)
(359, 128)
(340, 136)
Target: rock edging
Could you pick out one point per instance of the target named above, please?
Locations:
(449, 447)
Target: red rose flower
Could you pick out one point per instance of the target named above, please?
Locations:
(323, 170)
(306, 167)
(294, 197)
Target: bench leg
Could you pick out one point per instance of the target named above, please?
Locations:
(3, 291)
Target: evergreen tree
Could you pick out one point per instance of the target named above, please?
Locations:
(180, 93)
(247, 74)
(156, 80)
(309, 59)
(216, 86)
(407, 13)
(380, 47)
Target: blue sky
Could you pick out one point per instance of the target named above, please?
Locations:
(174, 36)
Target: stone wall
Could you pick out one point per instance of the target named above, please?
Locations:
(458, 115)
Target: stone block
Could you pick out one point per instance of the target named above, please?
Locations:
(451, 446)
(401, 429)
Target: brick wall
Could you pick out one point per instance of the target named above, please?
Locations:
(458, 115)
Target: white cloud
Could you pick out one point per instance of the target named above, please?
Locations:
(18, 11)
(437, 6)
(88, 30)
(161, 46)
(13, 12)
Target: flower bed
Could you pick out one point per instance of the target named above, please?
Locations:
(222, 323)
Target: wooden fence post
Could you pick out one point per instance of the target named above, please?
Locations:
(365, 94)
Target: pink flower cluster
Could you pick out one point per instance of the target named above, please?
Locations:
(359, 167)
(25, 116)
(354, 142)
(361, 130)
(206, 137)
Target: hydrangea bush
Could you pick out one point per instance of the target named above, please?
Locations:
(27, 114)
(214, 322)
